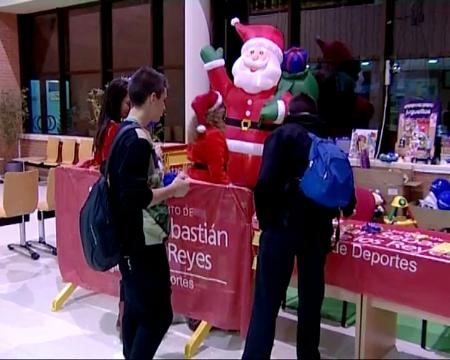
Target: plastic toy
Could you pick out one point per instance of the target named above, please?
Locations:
(371, 228)
(379, 202)
(421, 237)
(169, 177)
(444, 201)
(430, 202)
(393, 218)
(389, 157)
(439, 185)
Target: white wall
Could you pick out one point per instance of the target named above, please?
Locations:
(196, 35)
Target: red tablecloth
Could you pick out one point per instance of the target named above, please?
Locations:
(397, 264)
(209, 250)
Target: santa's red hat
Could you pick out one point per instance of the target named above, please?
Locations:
(266, 35)
(204, 103)
(335, 52)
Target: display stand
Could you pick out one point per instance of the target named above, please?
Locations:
(63, 296)
(197, 338)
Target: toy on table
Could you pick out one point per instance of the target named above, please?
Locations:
(393, 218)
(438, 186)
(420, 237)
(443, 249)
(369, 205)
(371, 228)
(443, 202)
(379, 203)
(389, 157)
(364, 159)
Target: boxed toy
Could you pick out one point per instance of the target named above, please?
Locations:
(417, 124)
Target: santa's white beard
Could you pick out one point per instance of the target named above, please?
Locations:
(254, 82)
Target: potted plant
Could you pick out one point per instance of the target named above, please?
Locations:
(95, 97)
(13, 113)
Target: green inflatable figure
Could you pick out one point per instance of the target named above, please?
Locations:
(295, 79)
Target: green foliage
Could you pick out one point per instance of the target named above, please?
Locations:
(13, 114)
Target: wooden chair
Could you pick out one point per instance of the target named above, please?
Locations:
(68, 152)
(20, 198)
(52, 154)
(46, 210)
(85, 149)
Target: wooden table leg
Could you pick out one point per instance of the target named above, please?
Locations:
(378, 330)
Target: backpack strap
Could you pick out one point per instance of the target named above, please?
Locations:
(116, 140)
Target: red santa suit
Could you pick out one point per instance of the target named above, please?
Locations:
(209, 153)
(245, 138)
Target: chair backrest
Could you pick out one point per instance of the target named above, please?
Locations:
(68, 151)
(85, 149)
(51, 189)
(20, 193)
(52, 149)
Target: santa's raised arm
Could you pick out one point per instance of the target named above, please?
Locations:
(252, 111)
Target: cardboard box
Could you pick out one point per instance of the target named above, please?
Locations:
(390, 182)
(429, 218)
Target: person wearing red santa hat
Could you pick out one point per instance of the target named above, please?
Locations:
(339, 106)
(209, 152)
(252, 113)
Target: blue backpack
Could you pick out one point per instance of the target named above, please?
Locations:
(101, 245)
(328, 180)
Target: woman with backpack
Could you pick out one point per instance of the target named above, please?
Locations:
(115, 107)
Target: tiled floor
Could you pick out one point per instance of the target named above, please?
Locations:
(85, 327)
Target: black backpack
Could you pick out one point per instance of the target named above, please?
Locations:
(101, 245)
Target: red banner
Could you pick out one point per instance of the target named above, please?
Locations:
(210, 255)
(209, 250)
(71, 190)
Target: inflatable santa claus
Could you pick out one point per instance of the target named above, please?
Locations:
(252, 110)
(209, 152)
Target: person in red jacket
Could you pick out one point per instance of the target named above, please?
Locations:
(115, 107)
(209, 152)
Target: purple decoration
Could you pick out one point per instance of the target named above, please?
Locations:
(295, 60)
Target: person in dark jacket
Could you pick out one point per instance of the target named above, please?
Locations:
(144, 265)
(292, 226)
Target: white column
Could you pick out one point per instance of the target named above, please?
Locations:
(196, 35)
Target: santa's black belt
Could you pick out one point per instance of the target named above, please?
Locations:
(246, 124)
(200, 166)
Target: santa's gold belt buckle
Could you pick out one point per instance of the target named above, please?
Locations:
(246, 124)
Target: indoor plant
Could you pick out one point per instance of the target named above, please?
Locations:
(13, 113)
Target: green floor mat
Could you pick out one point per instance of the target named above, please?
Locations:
(408, 328)
(331, 309)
